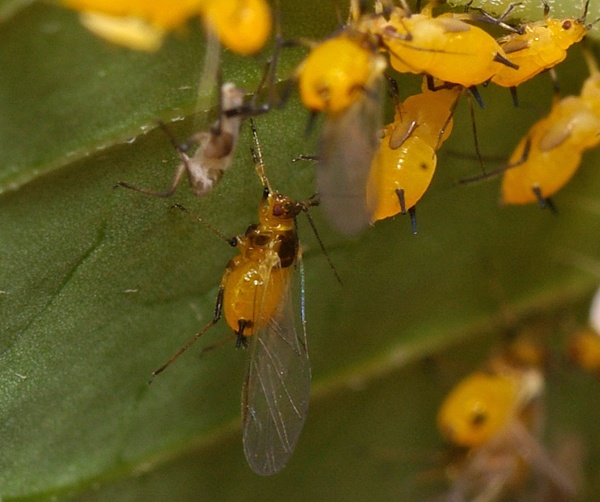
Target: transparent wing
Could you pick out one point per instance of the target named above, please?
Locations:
(276, 388)
(348, 143)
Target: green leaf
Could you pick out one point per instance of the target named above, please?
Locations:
(99, 286)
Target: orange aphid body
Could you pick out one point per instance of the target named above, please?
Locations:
(550, 154)
(405, 162)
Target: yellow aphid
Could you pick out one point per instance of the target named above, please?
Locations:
(336, 73)
(157, 13)
(445, 47)
(255, 299)
(405, 162)
(477, 408)
(542, 45)
(342, 77)
(243, 26)
(550, 154)
(132, 32)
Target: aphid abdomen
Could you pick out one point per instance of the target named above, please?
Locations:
(252, 294)
(445, 48)
(410, 168)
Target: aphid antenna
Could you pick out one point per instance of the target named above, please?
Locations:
(232, 241)
(312, 202)
(216, 316)
(583, 15)
(257, 157)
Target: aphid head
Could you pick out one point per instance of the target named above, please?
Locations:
(566, 32)
(277, 210)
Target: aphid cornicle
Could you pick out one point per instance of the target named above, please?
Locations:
(405, 162)
(255, 299)
(539, 46)
(550, 153)
(214, 151)
(445, 47)
(342, 77)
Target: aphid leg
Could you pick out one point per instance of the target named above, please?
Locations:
(216, 316)
(395, 91)
(183, 167)
(544, 202)
(181, 170)
(514, 96)
(498, 21)
(502, 60)
(555, 84)
(448, 120)
(412, 212)
(268, 77)
(474, 129)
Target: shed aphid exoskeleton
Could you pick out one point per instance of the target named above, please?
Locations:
(214, 152)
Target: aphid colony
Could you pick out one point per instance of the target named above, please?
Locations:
(367, 172)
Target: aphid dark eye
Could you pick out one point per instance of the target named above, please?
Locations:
(567, 25)
(278, 210)
(266, 192)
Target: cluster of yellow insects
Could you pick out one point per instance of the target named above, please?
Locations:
(367, 171)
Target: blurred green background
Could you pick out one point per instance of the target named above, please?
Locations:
(99, 286)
